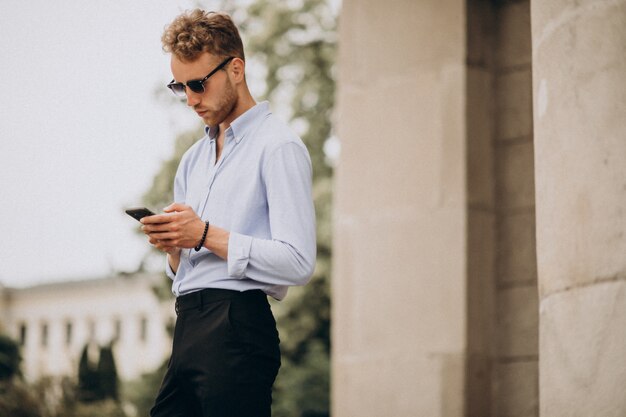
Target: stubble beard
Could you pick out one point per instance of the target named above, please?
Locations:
(224, 108)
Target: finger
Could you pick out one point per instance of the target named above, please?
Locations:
(158, 227)
(158, 219)
(162, 245)
(164, 235)
(176, 207)
(166, 245)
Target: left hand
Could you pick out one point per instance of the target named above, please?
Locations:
(179, 227)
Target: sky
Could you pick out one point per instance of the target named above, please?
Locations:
(82, 133)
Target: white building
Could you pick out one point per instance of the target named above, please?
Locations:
(53, 323)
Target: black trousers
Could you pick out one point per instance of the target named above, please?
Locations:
(225, 357)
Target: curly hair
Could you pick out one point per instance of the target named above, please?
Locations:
(195, 32)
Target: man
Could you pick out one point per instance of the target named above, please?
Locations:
(242, 227)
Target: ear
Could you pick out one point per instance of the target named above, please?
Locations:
(237, 69)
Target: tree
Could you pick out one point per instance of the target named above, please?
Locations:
(107, 373)
(9, 358)
(296, 44)
(15, 399)
(97, 381)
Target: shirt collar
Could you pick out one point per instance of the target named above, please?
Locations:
(244, 123)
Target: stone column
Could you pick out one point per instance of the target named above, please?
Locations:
(400, 211)
(579, 83)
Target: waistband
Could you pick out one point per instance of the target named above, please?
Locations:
(206, 296)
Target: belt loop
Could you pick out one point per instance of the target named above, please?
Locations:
(176, 308)
(200, 301)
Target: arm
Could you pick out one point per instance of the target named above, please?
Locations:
(288, 258)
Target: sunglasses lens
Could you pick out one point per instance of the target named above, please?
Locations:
(177, 88)
(196, 86)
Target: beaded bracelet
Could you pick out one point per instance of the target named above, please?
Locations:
(206, 229)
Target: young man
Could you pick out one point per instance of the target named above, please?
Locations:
(242, 227)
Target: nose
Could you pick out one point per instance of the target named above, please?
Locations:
(192, 98)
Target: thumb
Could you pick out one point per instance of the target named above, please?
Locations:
(174, 207)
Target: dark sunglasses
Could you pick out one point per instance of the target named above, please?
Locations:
(197, 86)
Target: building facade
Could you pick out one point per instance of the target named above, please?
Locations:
(54, 322)
(480, 209)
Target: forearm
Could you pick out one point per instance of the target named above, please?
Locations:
(173, 259)
(217, 241)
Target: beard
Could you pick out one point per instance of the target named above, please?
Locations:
(221, 111)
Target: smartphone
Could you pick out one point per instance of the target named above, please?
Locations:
(138, 213)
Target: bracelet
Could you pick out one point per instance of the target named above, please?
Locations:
(206, 229)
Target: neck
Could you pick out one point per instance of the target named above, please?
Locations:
(244, 103)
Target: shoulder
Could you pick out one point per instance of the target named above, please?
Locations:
(195, 150)
(194, 153)
(274, 133)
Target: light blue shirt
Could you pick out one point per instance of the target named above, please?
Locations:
(260, 191)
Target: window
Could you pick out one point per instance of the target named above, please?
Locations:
(143, 335)
(117, 330)
(68, 333)
(22, 336)
(44, 335)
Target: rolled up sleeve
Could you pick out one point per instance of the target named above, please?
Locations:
(288, 258)
(238, 254)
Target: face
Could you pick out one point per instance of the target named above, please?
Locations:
(216, 104)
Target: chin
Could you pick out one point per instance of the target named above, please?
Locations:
(209, 121)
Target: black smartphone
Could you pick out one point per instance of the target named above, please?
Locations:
(138, 213)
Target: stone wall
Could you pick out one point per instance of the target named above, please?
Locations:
(399, 297)
(480, 202)
(515, 378)
(502, 331)
(579, 77)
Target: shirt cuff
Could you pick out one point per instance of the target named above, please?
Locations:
(238, 254)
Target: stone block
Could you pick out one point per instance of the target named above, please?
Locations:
(480, 153)
(405, 293)
(517, 322)
(513, 41)
(514, 112)
(580, 62)
(480, 282)
(515, 183)
(399, 384)
(517, 389)
(417, 158)
(583, 346)
(436, 31)
(516, 248)
(478, 385)
(480, 34)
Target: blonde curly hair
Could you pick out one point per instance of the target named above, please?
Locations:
(195, 32)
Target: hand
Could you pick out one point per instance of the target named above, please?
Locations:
(180, 227)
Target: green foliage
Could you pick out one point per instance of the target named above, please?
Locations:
(142, 391)
(9, 358)
(107, 373)
(15, 398)
(297, 45)
(161, 193)
(102, 408)
(97, 381)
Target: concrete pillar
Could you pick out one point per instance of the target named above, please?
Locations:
(579, 83)
(400, 211)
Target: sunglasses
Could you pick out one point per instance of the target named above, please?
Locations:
(197, 86)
